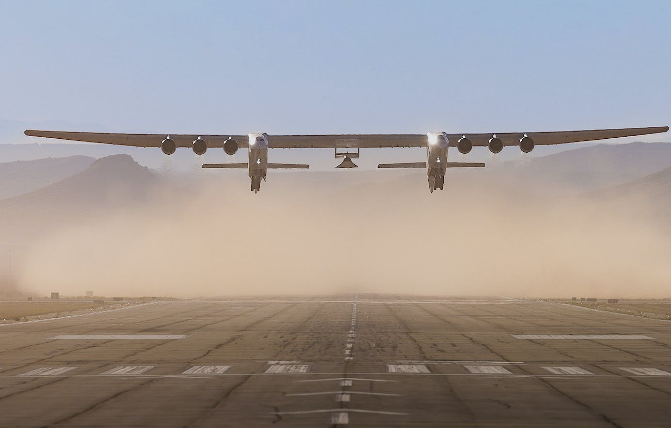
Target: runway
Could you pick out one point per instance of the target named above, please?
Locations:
(346, 360)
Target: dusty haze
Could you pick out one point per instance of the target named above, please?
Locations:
(306, 235)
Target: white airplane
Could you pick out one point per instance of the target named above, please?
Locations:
(257, 145)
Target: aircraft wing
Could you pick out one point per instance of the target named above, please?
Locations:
(363, 141)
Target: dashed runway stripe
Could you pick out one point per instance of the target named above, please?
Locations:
(487, 370)
(342, 398)
(206, 370)
(127, 370)
(288, 368)
(568, 371)
(645, 371)
(582, 336)
(407, 368)
(48, 371)
(340, 418)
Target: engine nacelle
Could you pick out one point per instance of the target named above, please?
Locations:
(464, 145)
(199, 146)
(231, 146)
(527, 144)
(495, 144)
(168, 146)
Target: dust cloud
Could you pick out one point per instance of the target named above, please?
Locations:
(476, 238)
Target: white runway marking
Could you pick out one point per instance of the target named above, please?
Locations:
(583, 336)
(311, 412)
(127, 370)
(340, 418)
(48, 371)
(342, 398)
(383, 394)
(119, 337)
(487, 370)
(346, 379)
(568, 371)
(288, 368)
(407, 368)
(459, 362)
(77, 316)
(645, 371)
(283, 362)
(345, 383)
(206, 370)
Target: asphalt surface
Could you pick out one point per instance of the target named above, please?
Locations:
(327, 361)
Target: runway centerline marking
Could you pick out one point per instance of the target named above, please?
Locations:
(48, 371)
(349, 346)
(119, 337)
(582, 337)
(645, 371)
(487, 370)
(206, 370)
(288, 368)
(342, 398)
(340, 418)
(127, 370)
(568, 371)
(407, 368)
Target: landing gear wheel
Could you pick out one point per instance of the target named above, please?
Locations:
(440, 182)
(432, 183)
(256, 184)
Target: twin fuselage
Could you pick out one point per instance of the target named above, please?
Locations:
(436, 162)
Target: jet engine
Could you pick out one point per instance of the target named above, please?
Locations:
(230, 146)
(199, 146)
(464, 145)
(495, 144)
(526, 144)
(168, 146)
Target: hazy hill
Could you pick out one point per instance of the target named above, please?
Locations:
(584, 169)
(112, 182)
(17, 178)
(648, 197)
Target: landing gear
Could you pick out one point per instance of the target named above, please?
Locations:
(256, 183)
(436, 182)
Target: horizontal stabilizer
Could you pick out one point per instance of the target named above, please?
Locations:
(226, 165)
(288, 166)
(465, 165)
(403, 165)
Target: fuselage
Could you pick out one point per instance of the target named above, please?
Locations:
(258, 159)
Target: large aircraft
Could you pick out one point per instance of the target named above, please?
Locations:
(347, 146)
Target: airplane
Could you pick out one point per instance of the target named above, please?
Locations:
(436, 143)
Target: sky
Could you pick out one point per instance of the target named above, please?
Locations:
(336, 67)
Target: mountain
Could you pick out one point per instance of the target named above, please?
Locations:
(112, 182)
(650, 195)
(17, 178)
(584, 169)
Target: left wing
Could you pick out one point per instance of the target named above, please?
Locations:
(363, 141)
